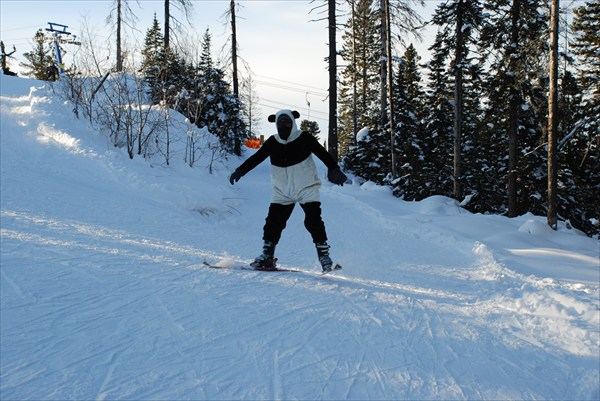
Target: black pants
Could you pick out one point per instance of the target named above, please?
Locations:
(279, 214)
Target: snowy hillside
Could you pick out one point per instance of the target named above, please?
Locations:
(104, 294)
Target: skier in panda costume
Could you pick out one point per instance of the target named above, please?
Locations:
(295, 180)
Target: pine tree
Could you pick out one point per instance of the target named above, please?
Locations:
(153, 54)
(580, 147)
(515, 39)
(358, 97)
(458, 21)
(220, 109)
(436, 172)
(206, 62)
(153, 57)
(408, 120)
(370, 158)
(365, 143)
(250, 99)
(164, 70)
(586, 44)
(475, 145)
(39, 59)
(312, 127)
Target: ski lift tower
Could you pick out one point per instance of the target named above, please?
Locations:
(60, 35)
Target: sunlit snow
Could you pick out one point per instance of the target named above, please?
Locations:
(104, 294)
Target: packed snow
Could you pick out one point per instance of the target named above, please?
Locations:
(104, 294)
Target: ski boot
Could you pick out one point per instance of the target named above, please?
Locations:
(265, 261)
(324, 259)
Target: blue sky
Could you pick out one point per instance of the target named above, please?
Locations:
(278, 41)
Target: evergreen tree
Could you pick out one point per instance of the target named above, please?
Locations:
(515, 40)
(312, 127)
(250, 100)
(458, 22)
(164, 70)
(358, 97)
(365, 143)
(437, 144)
(39, 59)
(220, 109)
(153, 53)
(370, 158)
(206, 62)
(408, 121)
(579, 149)
(475, 145)
(586, 44)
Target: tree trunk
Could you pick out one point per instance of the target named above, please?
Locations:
(237, 142)
(332, 139)
(119, 51)
(354, 78)
(388, 53)
(236, 92)
(167, 25)
(458, 104)
(514, 104)
(553, 120)
(383, 72)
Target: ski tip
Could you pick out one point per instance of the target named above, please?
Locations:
(214, 266)
(336, 267)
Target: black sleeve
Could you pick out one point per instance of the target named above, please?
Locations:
(322, 153)
(260, 156)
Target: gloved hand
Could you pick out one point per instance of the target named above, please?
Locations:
(336, 176)
(235, 177)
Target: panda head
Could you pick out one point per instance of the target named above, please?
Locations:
(285, 121)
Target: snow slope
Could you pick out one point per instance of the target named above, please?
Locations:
(104, 295)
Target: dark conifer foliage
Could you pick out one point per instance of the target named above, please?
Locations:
(437, 169)
(579, 145)
(199, 92)
(39, 60)
(504, 83)
(486, 79)
(359, 86)
(312, 127)
(370, 158)
(409, 128)
(516, 37)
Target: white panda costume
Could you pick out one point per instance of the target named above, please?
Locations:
(295, 180)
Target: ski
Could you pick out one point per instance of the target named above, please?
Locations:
(335, 268)
(274, 269)
(248, 267)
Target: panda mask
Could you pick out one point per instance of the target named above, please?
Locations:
(284, 120)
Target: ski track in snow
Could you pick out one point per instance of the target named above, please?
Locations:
(102, 301)
(363, 309)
